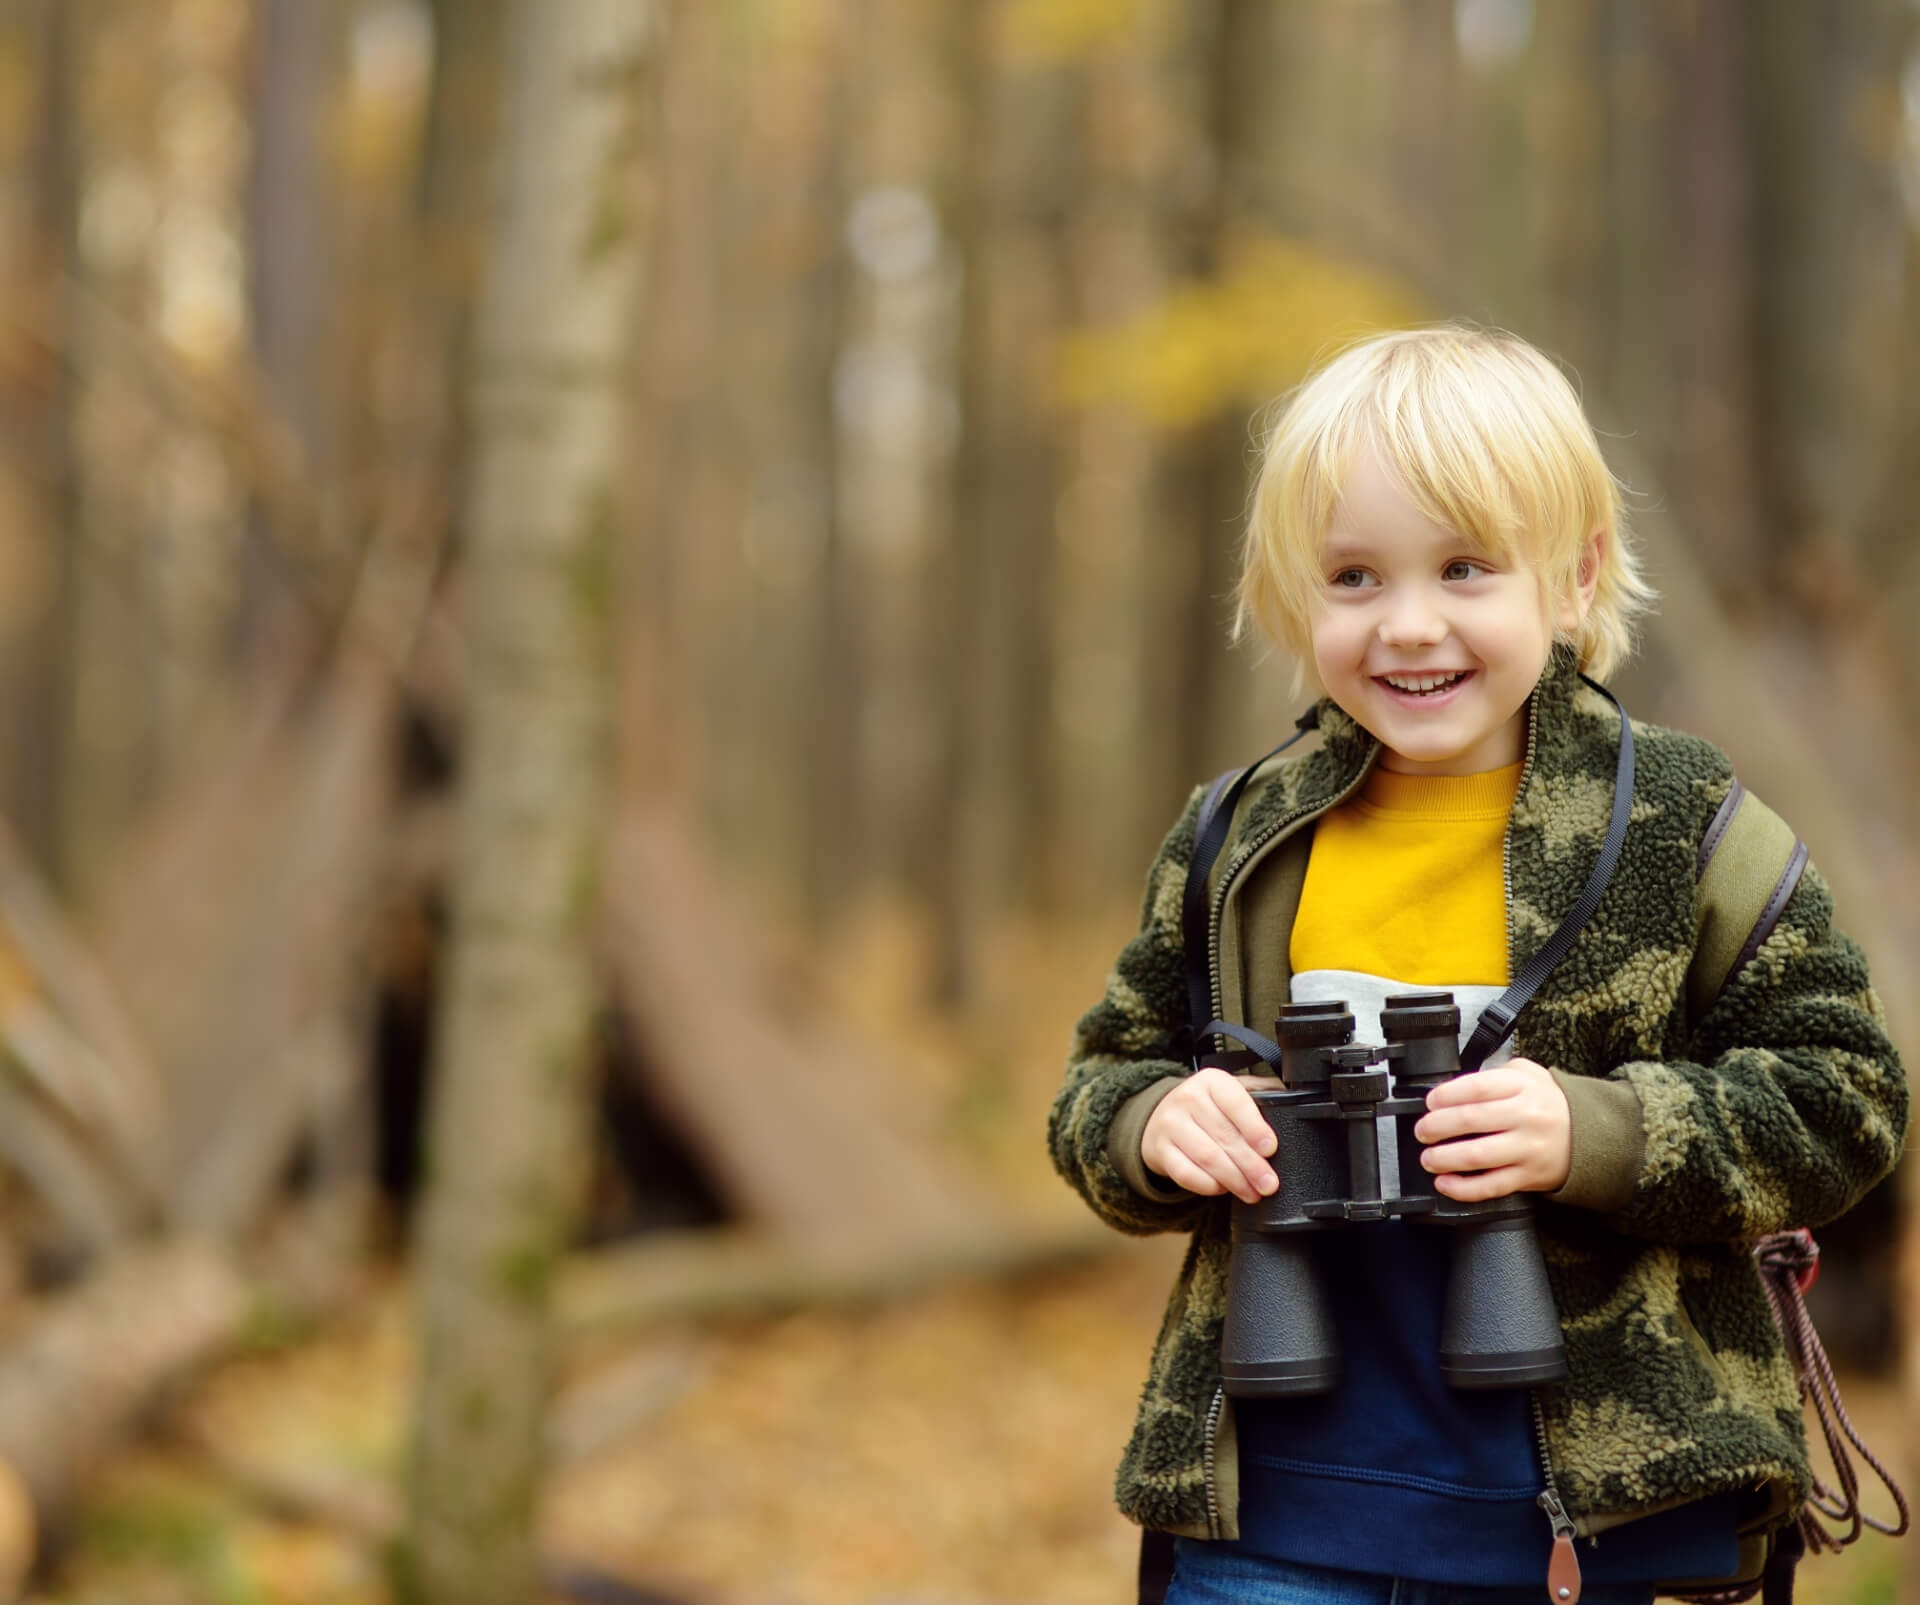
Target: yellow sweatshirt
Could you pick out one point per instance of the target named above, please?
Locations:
(1405, 881)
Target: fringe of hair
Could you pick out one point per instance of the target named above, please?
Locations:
(1487, 436)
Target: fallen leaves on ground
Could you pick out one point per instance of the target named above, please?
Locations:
(955, 1449)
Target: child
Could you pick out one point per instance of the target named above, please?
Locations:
(1435, 535)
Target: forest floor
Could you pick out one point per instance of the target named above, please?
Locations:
(952, 1449)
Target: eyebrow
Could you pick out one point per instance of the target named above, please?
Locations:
(1350, 549)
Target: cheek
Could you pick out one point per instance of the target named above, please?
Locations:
(1336, 639)
(1519, 628)
(1330, 661)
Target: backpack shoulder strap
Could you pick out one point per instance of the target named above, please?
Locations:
(1210, 835)
(1748, 865)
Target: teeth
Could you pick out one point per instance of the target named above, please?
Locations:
(1421, 682)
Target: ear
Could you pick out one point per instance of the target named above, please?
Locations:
(1571, 612)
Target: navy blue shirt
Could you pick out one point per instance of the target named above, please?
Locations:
(1397, 1472)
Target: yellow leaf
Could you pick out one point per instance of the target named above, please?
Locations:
(1234, 340)
(1046, 32)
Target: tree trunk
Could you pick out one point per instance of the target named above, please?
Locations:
(1204, 470)
(677, 460)
(1714, 472)
(507, 1133)
(38, 791)
(298, 304)
(1506, 271)
(78, 1369)
(804, 1128)
(1828, 236)
(1567, 132)
(1640, 226)
(1428, 150)
(892, 487)
(1023, 161)
(954, 575)
(1110, 527)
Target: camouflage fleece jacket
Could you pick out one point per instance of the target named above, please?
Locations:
(1780, 1107)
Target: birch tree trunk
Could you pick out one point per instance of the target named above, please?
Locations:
(507, 1132)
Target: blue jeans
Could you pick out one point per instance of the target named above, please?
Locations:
(1212, 1574)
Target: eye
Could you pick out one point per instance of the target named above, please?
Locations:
(1348, 579)
(1463, 568)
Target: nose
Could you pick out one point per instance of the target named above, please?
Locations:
(1411, 619)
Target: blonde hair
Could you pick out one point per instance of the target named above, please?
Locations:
(1487, 437)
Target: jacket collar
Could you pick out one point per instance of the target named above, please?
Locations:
(1348, 750)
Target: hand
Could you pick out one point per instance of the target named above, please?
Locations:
(1208, 1136)
(1504, 1130)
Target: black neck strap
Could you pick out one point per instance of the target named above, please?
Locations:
(1209, 836)
(1496, 1020)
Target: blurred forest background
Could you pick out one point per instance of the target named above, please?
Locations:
(796, 449)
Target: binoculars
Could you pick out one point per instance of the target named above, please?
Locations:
(1498, 1324)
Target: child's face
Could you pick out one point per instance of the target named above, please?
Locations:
(1401, 596)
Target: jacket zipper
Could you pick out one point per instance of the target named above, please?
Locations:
(1506, 836)
(1214, 1525)
(1563, 1566)
(1209, 1483)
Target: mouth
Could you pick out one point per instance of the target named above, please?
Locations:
(1424, 689)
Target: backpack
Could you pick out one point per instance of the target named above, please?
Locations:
(1750, 861)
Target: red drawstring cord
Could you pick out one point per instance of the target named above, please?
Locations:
(1789, 1262)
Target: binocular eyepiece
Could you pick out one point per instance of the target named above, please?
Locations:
(1498, 1328)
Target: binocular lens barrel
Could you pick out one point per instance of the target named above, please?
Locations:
(1304, 1031)
(1278, 1338)
(1499, 1327)
(1427, 1025)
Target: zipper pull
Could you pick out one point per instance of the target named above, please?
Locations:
(1563, 1570)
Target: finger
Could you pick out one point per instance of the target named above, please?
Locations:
(1482, 1185)
(1476, 1153)
(1211, 1140)
(1236, 1105)
(1216, 1089)
(1183, 1172)
(1459, 1090)
(1217, 1126)
(1213, 1096)
(1480, 1087)
(1464, 1121)
(1186, 1153)
(1214, 1162)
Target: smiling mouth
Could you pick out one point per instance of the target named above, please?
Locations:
(1423, 685)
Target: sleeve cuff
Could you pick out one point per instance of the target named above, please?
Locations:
(1609, 1142)
(1123, 1144)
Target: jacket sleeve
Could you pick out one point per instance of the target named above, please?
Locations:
(1795, 1107)
(1122, 1061)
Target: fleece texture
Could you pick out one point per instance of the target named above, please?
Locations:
(1781, 1106)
